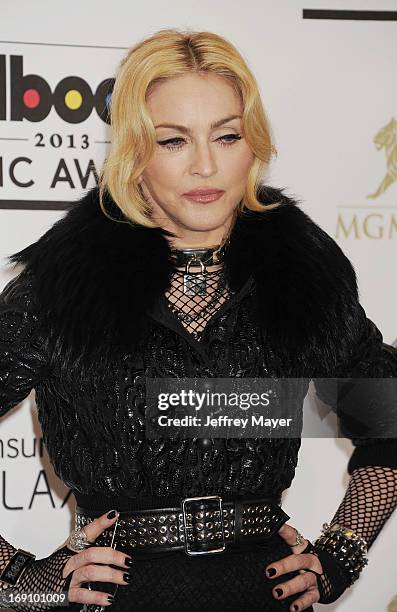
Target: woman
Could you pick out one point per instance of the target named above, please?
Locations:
(148, 278)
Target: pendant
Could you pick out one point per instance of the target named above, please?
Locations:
(194, 284)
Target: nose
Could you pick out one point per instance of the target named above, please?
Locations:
(203, 160)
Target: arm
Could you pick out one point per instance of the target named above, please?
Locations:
(20, 361)
(23, 363)
(371, 496)
(22, 358)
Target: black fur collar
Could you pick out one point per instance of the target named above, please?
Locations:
(96, 278)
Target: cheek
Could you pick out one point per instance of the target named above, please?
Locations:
(248, 159)
(163, 171)
(238, 166)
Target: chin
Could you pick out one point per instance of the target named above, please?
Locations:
(197, 227)
(200, 223)
(203, 220)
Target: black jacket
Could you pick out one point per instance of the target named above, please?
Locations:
(85, 322)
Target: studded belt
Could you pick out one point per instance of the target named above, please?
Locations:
(201, 525)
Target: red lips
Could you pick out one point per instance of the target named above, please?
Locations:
(198, 192)
(203, 196)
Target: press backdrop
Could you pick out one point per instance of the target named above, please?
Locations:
(328, 82)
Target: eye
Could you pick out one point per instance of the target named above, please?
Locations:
(175, 144)
(233, 139)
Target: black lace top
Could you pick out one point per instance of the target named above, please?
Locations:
(93, 419)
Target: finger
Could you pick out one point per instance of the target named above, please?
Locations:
(94, 529)
(309, 548)
(96, 554)
(97, 526)
(99, 573)
(289, 534)
(85, 596)
(306, 600)
(294, 562)
(295, 585)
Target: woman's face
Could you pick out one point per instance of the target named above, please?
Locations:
(192, 154)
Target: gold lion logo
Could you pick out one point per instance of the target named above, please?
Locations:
(392, 607)
(386, 139)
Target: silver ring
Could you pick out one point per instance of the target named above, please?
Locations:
(299, 538)
(78, 540)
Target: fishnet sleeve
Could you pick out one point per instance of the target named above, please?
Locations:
(6, 552)
(22, 365)
(42, 576)
(370, 499)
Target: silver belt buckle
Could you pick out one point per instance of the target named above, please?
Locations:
(188, 550)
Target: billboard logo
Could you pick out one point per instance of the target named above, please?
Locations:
(31, 97)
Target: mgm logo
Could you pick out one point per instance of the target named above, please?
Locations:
(386, 139)
(382, 223)
(392, 607)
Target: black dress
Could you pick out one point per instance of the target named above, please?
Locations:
(232, 581)
(235, 579)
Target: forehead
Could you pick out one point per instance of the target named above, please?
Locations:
(193, 97)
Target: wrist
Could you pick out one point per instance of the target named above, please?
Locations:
(333, 582)
(16, 567)
(347, 548)
(342, 555)
(40, 577)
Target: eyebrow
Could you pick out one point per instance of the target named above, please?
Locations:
(186, 130)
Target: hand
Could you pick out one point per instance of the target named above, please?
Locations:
(305, 563)
(85, 569)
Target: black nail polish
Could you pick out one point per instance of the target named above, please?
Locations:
(129, 561)
(111, 514)
(127, 577)
(111, 598)
(295, 607)
(279, 592)
(271, 571)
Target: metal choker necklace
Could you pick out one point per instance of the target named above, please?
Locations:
(196, 284)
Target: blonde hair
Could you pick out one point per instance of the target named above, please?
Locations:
(169, 53)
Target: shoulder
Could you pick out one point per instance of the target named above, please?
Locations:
(307, 287)
(19, 311)
(288, 237)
